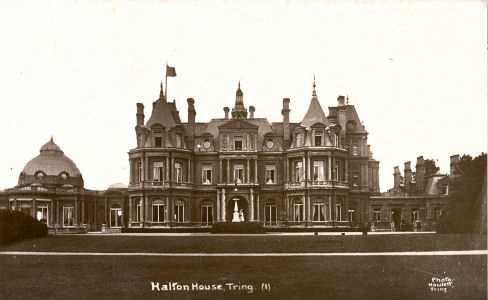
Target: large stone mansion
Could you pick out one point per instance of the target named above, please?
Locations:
(318, 172)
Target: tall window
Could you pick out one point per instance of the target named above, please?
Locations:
(179, 212)
(338, 211)
(138, 211)
(178, 172)
(252, 142)
(207, 217)
(68, 216)
(318, 212)
(238, 142)
(178, 141)
(414, 214)
(158, 212)
(377, 214)
(42, 212)
(445, 189)
(336, 140)
(270, 174)
(318, 138)
(239, 173)
(139, 172)
(206, 174)
(115, 216)
(437, 213)
(336, 170)
(298, 212)
(318, 170)
(158, 140)
(270, 214)
(355, 149)
(298, 139)
(351, 215)
(158, 167)
(298, 171)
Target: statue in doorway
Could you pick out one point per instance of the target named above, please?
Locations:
(241, 215)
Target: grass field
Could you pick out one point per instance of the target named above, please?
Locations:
(344, 277)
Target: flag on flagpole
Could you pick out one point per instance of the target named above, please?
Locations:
(170, 71)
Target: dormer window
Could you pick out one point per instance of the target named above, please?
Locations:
(269, 143)
(206, 144)
(238, 141)
(64, 176)
(40, 175)
(178, 141)
(298, 139)
(355, 149)
(445, 189)
(158, 140)
(318, 138)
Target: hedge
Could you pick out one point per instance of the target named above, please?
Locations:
(17, 226)
(238, 227)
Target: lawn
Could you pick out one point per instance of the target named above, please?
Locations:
(342, 277)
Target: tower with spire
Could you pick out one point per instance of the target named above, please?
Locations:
(239, 111)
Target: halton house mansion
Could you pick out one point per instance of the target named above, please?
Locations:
(318, 172)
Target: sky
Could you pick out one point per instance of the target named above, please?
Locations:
(416, 71)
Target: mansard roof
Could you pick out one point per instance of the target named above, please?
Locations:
(162, 114)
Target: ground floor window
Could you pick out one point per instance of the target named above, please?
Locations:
(270, 213)
(25, 209)
(207, 217)
(351, 214)
(179, 212)
(42, 212)
(376, 214)
(414, 215)
(138, 211)
(115, 217)
(338, 211)
(298, 212)
(158, 212)
(318, 212)
(68, 216)
(437, 213)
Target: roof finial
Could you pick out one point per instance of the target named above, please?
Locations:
(52, 141)
(314, 93)
(347, 99)
(239, 84)
(161, 92)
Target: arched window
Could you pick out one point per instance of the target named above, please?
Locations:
(318, 212)
(158, 211)
(179, 211)
(68, 216)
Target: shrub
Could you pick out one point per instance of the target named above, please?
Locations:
(16, 226)
(244, 227)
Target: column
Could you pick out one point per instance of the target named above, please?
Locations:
(346, 169)
(308, 166)
(287, 207)
(287, 171)
(189, 171)
(333, 165)
(304, 205)
(122, 222)
(143, 170)
(51, 212)
(257, 207)
(146, 169)
(220, 172)
(146, 209)
(256, 170)
(33, 209)
(222, 211)
(329, 165)
(248, 176)
(167, 169)
(105, 211)
(57, 211)
(330, 208)
(76, 211)
(130, 211)
(218, 202)
(167, 210)
(308, 209)
(172, 174)
(251, 208)
(228, 171)
(82, 211)
(303, 167)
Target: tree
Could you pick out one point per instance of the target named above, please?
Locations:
(466, 186)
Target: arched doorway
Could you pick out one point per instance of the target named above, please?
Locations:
(241, 204)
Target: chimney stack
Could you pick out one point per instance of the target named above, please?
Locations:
(251, 112)
(226, 111)
(408, 176)
(420, 173)
(191, 119)
(286, 118)
(341, 101)
(396, 177)
(140, 114)
(453, 165)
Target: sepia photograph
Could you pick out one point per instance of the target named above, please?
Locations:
(226, 149)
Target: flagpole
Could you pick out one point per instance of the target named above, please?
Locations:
(166, 87)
